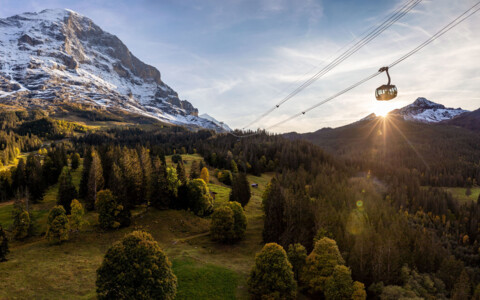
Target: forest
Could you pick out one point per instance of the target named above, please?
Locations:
(333, 227)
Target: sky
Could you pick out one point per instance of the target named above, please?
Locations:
(236, 59)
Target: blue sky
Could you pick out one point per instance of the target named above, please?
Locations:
(235, 59)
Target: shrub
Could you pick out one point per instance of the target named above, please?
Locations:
(57, 225)
(108, 210)
(272, 275)
(136, 268)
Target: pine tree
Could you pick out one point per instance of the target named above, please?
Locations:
(204, 175)
(150, 274)
(272, 275)
(273, 206)
(87, 162)
(240, 189)
(147, 169)
(182, 176)
(75, 160)
(108, 210)
(194, 170)
(95, 181)
(35, 184)
(3, 245)
(19, 177)
(66, 190)
(57, 225)
(462, 288)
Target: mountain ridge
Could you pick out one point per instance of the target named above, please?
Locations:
(58, 55)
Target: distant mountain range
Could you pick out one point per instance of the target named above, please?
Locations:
(59, 56)
(418, 135)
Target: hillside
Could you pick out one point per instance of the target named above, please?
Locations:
(58, 56)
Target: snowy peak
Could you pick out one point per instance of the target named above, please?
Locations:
(426, 111)
(58, 55)
(215, 121)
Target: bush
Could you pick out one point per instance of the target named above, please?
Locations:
(136, 268)
(199, 198)
(359, 292)
(57, 225)
(108, 210)
(272, 275)
(3, 245)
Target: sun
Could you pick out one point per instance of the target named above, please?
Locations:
(382, 109)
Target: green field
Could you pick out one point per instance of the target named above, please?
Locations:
(205, 269)
(459, 194)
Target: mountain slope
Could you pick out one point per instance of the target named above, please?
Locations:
(57, 56)
(470, 120)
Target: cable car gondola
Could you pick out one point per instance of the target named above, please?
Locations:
(387, 91)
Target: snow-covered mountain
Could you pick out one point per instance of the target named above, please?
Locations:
(212, 119)
(423, 110)
(58, 55)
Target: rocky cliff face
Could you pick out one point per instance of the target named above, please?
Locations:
(59, 55)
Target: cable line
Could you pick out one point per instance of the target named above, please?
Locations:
(469, 12)
(395, 16)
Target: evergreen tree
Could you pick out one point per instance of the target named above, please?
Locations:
(182, 176)
(272, 275)
(132, 178)
(76, 216)
(320, 265)
(297, 255)
(199, 198)
(161, 196)
(359, 292)
(66, 190)
(240, 189)
(21, 220)
(194, 170)
(3, 245)
(204, 175)
(108, 210)
(150, 274)
(57, 225)
(147, 169)
(87, 162)
(95, 181)
(35, 184)
(19, 177)
(221, 228)
(75, 160)
(339, 286)
(273, 206)
(462, 288)
(239, 220)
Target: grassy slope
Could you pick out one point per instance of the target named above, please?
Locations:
(205, 270)
(459, 193)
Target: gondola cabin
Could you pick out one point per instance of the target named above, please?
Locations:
(387, 91)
